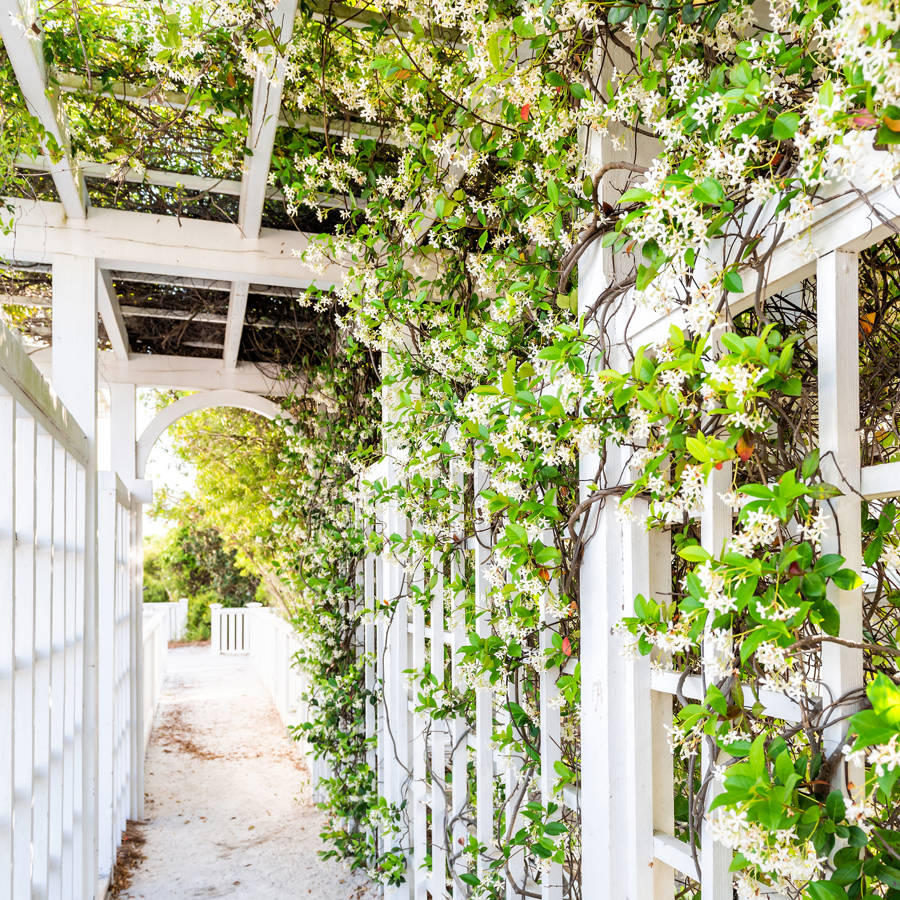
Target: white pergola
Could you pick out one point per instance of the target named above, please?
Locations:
(170, 249)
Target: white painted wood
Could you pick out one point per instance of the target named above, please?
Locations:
(267, 90)
(715, 529)
(398, 770)
(23, 670)
(774, 704)
(74, 350)
(26, 56)
(7, 635)
(234, 326)
(183, 373)
(673, 853)
(459, 749)
(439, 735)
(837, 325)
(193, 403)
(418, 751)
(484, 699)
(162, 245)
(881, 481)
(57, 674)
(659, 759)
(111, 314)
(551, 738)
(43, 602)
(22, 379)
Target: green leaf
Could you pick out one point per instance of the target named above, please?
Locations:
(553, 191)
(708, 191)
(734, 283)
(825, 890)
(694, 553)
(785, 126)
(635, 195)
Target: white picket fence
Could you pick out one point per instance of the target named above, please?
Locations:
(46, 723)
(272, 644)
(75, 652)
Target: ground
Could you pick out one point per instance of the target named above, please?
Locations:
(229, 811)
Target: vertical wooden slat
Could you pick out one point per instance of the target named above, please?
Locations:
(369, 650)
(715, 529)
(7, 643)
(418, 747)
(43, 645)
(23, 679)
(137, 661)
(661, 709)
(106, 668)
(484, 697)
(438, 884)
(57, 674)
(71, 705)
(84, 787)
(397, 762)
(550, 723)
(459, 727)
(837, 305)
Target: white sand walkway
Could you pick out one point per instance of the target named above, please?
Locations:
(229, 811)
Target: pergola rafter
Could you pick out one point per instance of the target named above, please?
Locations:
(267, 91)
(27, 60)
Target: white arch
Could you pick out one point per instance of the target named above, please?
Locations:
(201, 400)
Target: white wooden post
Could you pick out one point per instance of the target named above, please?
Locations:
(837, 303)
(215, 627)
(75, 381)
(7, 636)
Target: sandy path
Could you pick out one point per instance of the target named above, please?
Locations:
(228, 810)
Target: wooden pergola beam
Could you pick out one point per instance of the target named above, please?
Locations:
(156, 245)
(182, 373)
(111, 315)
(27, 58)
(267, 91)
(234, 325)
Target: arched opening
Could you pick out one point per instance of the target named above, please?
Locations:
(194, 403)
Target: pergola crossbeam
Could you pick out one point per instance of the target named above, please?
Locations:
(182, 373)
(27, 59)
(123, 240)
